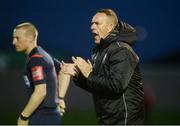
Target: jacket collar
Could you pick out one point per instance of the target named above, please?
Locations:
(124, 33)
(112, 37)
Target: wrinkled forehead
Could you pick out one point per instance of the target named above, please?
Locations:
(99, 17)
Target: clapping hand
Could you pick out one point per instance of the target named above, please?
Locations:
(84, 66)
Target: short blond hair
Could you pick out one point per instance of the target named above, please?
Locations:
(29, 27)
(110, 13)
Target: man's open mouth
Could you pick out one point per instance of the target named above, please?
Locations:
(95, 34)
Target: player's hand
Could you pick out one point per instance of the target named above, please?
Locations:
(84, 66)
(22, 122)
(61, 106)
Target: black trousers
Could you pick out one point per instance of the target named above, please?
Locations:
(45, 116)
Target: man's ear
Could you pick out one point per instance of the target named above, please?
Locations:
(31, 38)
(110, 27)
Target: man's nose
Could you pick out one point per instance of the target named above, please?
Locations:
(14, 41)
(92, 26)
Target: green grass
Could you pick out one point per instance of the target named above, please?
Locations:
(165, 117)
(8, 118)
(79, 118)
(68, 118)
(158, 117)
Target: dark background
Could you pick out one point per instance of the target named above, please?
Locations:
(64, 31)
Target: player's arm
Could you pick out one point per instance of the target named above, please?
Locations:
(64, 80)
(63, 84)
(37, 68)
(35, 100)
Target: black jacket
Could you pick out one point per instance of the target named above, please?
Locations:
(115, 82)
